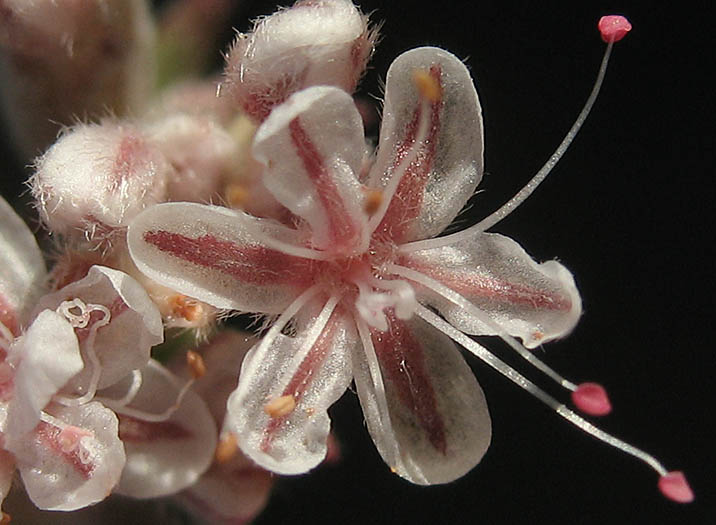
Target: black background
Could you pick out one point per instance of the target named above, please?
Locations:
(628, 211)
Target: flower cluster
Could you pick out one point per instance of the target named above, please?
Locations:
(339, 246)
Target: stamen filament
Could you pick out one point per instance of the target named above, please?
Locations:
(457, 299)
(401, 169)
(258, 354)
(378, 386)
(514, 376)
(534, 182)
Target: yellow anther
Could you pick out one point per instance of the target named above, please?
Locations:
(280, 406)
(196, 364)
(226, 448)
(5, 519)
(236, 195)
(393, 470)
(183, 306)
(427, 85)
(373, 200)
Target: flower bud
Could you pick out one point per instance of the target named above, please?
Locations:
(199, 150)
(97, 177)
(315, 42)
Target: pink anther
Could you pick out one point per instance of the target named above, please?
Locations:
(613, 28)
(592, 399)
(674, 486)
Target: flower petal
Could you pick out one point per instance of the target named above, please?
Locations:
(7, 471)
(423, 407)
(134, 327)
(279, 410)
(73, 463)
(313, 147)
(167, 456)
(45, 358)
(22, 269)
(536, 302)
(449, 165)
(219, 256)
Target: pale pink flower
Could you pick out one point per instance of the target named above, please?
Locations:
(355, 272)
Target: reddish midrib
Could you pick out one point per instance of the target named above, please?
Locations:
(342, 230)
(407, 202)
(402, 363)
(250, 264)
(49, 436)
(473, 285)
(301, 380)
(134, 430)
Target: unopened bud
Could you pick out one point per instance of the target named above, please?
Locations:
(98, 176)
(315, 42)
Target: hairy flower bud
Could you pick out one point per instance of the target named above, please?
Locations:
(316, 42)
(200, 152)
(97, 177)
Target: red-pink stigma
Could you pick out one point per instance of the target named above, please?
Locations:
(674, 486)
(592, 399)
(613, 28)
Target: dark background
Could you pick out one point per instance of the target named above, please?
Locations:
(628, 211)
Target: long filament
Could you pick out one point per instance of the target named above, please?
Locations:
(514, 376)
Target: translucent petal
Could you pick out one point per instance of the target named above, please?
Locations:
(218, 256)
(168, 456)
(45, 358)
(70, 470)
(279, 410)
(449, 165)
(426, 413)
(135, 325)
(22, 270)
(313, 147)
(231, 493)
(536, 302)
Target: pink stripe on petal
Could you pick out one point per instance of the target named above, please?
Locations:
(302, 378)
(49, 435)
(248, 263)
(474, 285)
(341, 229)
(402, 363)
(407, 201)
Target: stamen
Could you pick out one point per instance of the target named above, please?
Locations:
(541, 175)
(280, 406)
(227, 447)
(185, 307)
(373, 198)
(196, 364)
(613, 28)
(574, 418)
(458, 300)
(249, 366)
(380, 399)
(400, 170)
(236, 196)
(427, 85)
(674, 486)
